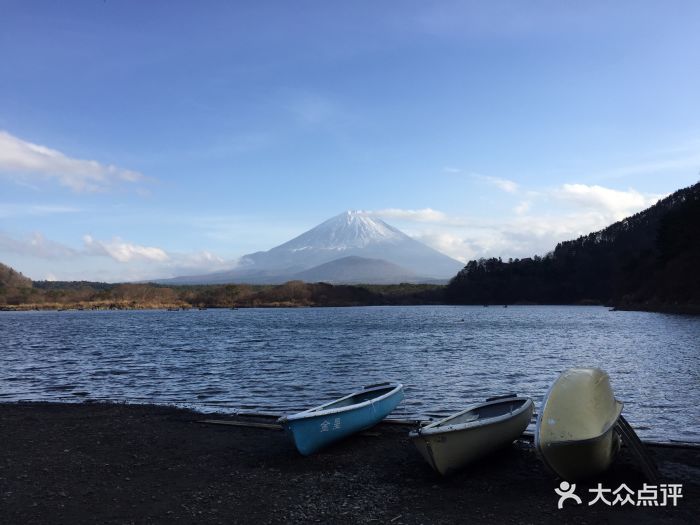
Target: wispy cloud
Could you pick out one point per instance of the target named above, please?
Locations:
(421, 215)
(613, 204)
(502, 184)
(35, 245)
(506, 185)
(21, 160)
(34, 210)
(453, 244)
(119, 260)
(522, 207)
(539, 221)
(122, 251)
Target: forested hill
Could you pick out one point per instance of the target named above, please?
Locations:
(650, 260)
(13, 285)
(10, 278)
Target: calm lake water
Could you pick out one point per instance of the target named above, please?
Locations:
(280, 360)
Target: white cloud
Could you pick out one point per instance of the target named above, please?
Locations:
(450, 244)
(506, 185)
(523, 207)
(502, 184)
(537, 221)
(20, 160)
(35, 245)
(115, 260)
(32, 210)
(122, 251)
(149, 262)
(422, 215)
(614, 204)
(572, 210)
(205, 260)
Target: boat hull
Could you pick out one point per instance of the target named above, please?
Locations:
(452, 449)
(575, 434)
(312, 432)
(573, 460)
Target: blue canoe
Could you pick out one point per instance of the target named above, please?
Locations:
(317, 427)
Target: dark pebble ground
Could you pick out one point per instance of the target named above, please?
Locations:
(114, 463)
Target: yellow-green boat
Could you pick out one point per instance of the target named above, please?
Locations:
(575, 433)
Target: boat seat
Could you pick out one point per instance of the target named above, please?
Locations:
(464, 418)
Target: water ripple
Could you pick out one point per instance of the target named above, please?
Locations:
(279, 360)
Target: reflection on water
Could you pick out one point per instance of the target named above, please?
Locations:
(279, 360)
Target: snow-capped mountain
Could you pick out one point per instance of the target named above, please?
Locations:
(350, 234)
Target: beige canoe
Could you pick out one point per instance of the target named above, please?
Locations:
(575, 433)
(461, 438)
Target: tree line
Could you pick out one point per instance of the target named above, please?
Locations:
(21, 293)
(650, 261)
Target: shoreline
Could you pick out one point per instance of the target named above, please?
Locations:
(692, 310)
(233, 412)
(119, 463)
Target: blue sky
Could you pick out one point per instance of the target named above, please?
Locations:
(149, 139)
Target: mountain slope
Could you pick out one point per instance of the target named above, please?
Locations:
(649, 260)
(15, 288)
(350, 234)
(10, 278)
(353, 269)
(353, 233)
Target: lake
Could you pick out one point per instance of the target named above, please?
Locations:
(279, 360)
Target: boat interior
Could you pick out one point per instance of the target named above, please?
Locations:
(355, 399)
(502, 408)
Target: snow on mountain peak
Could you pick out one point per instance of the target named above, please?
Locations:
(352, 233)
(350, 229)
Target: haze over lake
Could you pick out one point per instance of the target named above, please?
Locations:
(280, 360)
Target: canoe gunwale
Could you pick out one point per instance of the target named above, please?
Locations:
(319, 412)
(437, 427)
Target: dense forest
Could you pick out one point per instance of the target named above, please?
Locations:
(650, 260)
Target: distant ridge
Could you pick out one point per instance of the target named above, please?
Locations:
(650, 260)
(359, 270)
(349, 234)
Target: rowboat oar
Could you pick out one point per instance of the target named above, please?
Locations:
(630, 438)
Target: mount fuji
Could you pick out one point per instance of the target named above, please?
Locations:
(351, 247)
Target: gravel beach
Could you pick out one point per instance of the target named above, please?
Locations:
(116, 463)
